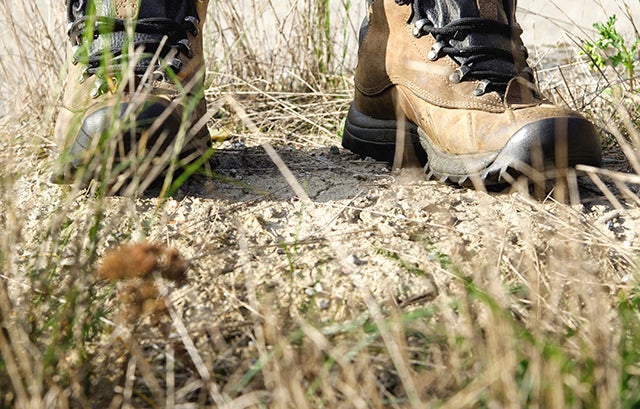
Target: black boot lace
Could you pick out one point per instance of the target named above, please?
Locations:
(479, 59)
(101, 43)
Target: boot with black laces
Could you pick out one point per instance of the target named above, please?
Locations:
(452, 76)
(133, 101)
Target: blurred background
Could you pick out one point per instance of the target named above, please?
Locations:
(263, 39)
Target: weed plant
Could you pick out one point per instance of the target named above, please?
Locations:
(126, 302)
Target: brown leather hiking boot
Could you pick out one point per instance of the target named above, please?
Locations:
(134, 93)
(452, 74)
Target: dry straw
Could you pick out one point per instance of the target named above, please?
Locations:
(383, 292)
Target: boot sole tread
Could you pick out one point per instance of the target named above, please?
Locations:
(533, 143)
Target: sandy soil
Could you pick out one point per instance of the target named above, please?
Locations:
(363, 232)
(259, 251)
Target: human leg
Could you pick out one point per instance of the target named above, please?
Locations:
(135, 85)
(453, 75)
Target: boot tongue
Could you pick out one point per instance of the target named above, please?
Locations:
(442, 13)
(161, 27)
(175, 10)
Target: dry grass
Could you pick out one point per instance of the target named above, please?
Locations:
(383, 293)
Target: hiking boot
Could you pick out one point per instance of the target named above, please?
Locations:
(134, 94)
(450, 79)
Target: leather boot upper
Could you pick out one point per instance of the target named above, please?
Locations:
(126, 53)
(456, 68)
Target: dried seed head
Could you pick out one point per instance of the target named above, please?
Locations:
(140, 260)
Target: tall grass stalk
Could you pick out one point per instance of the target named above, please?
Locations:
(426, 296)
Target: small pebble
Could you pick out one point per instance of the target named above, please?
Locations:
(323, 304)
(353, 259)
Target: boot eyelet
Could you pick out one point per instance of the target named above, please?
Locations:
(74, 34)
(175, 65)
(436, 51)
(99, 87)
(78, 7)
(184, 46)
(481, 88)
(75, 54)
(84, 75)
(418, 27)
(193, 22)
(459, 73)
(158, 76)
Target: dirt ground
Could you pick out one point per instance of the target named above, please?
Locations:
(320, 246)
(260, 251)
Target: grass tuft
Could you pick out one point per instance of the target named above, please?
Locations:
(338, 285)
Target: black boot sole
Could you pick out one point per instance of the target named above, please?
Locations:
(540, 148)
(377, 138)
